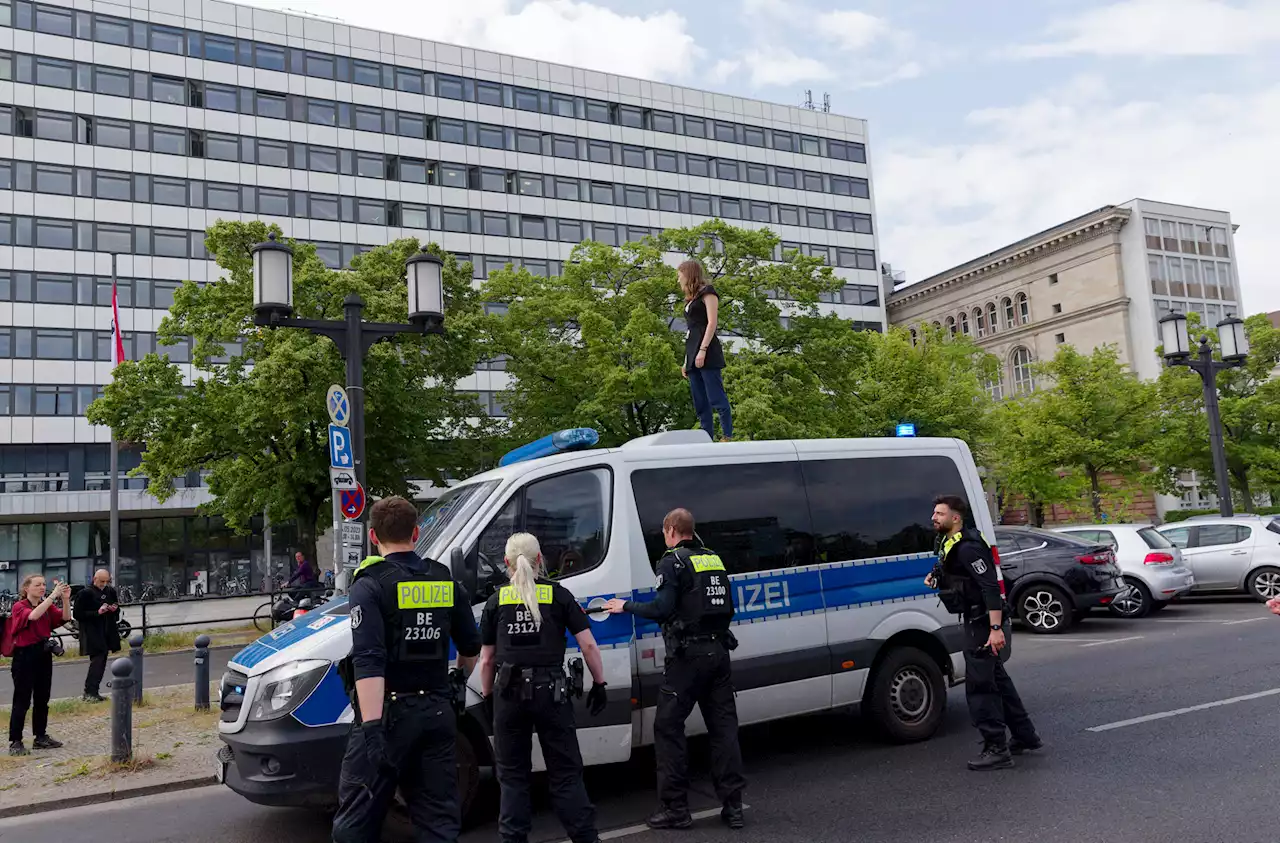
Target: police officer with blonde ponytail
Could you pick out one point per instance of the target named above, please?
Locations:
(522, 633)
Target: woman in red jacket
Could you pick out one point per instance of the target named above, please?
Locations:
(33, 621)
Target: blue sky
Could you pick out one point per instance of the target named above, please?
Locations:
(989, 119)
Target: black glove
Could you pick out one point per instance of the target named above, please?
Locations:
(375, 746)
(597, 699)
(486, 708)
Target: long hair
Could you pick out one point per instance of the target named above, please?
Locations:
(26, 583)
(692, 278)
(524, 566)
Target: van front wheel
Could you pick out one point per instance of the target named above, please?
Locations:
(907, 696)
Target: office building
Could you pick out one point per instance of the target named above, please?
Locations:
(127, 129)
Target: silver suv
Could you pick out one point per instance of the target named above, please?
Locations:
(1240, 554)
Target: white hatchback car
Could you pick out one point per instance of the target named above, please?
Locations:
(1153, 567)
(1240, 554)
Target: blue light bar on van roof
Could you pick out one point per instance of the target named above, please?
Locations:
(573, 439)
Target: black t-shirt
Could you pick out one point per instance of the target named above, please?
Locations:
(508, 626)
(695, 315)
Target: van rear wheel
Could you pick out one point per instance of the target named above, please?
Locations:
(907, 695)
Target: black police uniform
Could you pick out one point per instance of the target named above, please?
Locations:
(404, 611)
(969, 576)
(694, 605)
(530, 695)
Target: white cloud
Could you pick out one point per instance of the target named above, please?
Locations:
(1069, 151)
(852, 30)
(1163, 28)
(652, 46)
(775, 66)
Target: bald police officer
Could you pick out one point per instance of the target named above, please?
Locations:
(694, 605)
(404, 612)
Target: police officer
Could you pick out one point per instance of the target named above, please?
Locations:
(970, 587)
(522, 677)
(694, 605)
(404, 611)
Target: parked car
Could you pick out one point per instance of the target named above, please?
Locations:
(1240, 554)
(1053, 580)
(1153, 568)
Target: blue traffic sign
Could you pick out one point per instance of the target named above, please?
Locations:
(340, 454)
(338, 405)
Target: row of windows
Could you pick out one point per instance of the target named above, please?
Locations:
(1014, 310)
(115, 238)
(1021, 378)
(67, 344)
(1187, 238)
(164, 190)
(56, 288)
(1196, 279)
(26, 399)
(120, 82)
(1210, 314)
(166, 39)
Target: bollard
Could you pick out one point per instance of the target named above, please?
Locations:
(122, 684)
(202, 673)
(135, 656)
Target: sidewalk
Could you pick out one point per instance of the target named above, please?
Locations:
(173, 749)
(158, 669)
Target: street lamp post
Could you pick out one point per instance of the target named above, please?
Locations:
(273, 308)
(1235, 348)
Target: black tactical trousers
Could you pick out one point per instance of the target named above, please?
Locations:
(702, 677)
(514, 722)
(993, 701)
(421, 732)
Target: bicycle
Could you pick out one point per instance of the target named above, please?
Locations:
(125, 595)
(148, 593)
(6, 603)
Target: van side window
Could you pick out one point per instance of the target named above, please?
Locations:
(569, 514)
(753, 516)
(876, 506)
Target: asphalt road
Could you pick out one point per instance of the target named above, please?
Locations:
(157, 671)
(1199, 766)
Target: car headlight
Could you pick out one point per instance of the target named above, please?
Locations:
(283, 689)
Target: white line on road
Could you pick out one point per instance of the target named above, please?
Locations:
(640, 829)
(1191, 620)
(1246, 620)
(1114, 641)
(1052, 639)
(1146, 718)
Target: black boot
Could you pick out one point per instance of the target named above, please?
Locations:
(1017, 746)
(668, 817)
(993, 757)
(46, 742)
(731, 813)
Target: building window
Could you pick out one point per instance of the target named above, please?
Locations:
(1053, 279)
(1023, 380)
(993, 321)
(980, 321)
(951, 325)
(1024, 309)
(1060, 338)
(915, 338)
(994, 387)
(1153, 232)
(965, 327)
(1057, 308)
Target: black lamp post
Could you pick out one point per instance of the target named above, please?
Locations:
(1235, 348)
(273, 308)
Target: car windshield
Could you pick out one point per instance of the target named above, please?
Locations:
(446, 515)
(1154, 539)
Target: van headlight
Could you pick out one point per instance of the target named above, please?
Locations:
(283, 689)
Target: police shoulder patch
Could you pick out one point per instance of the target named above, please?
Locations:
(357, 615)
(979, 566)
(659, 583)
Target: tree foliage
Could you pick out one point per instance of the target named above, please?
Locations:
(254, 415)
(1249, 403)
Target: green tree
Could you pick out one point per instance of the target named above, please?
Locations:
(1093, 418)
(254, 415)
(1249, 403)
(1016, 453)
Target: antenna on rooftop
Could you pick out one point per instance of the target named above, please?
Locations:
(826, 102)
(808, 99)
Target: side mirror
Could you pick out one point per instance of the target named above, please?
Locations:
(467, 574)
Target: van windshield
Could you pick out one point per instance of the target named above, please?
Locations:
(445, 516)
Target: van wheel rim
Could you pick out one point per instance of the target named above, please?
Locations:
(1267, 584)
(910, 694)
(1129, 603)
(1043, 610)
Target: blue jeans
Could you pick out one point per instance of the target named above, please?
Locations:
(707, 386)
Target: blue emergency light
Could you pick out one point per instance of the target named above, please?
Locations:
(906, 429)
(562, 441)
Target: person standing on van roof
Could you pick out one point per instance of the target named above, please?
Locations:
(703, 354)
(404, 611)
(970, 587)
(522, 633)
(694, 605)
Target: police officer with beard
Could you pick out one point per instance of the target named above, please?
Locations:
(970, 587)
(694, 605)
(404, 612)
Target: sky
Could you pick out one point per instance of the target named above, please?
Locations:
(989, 120)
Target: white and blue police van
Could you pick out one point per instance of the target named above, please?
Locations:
(827, 543)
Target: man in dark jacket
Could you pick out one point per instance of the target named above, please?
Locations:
(971, 586)
(95, 613)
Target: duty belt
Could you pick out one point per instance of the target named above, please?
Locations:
(394, 696)
(518, 682)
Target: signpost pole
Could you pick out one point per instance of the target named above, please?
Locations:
(352, 308)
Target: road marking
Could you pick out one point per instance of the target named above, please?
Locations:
(1053, 639)
(640, 829)
(1192, 620)
(1114, 641)
(1147, 718)
(1246, 620)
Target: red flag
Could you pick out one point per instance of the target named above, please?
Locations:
(117, 336)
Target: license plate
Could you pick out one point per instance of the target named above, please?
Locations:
(219, 771)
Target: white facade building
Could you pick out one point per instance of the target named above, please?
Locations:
(127, 128)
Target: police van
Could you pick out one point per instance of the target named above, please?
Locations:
(827, 543)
